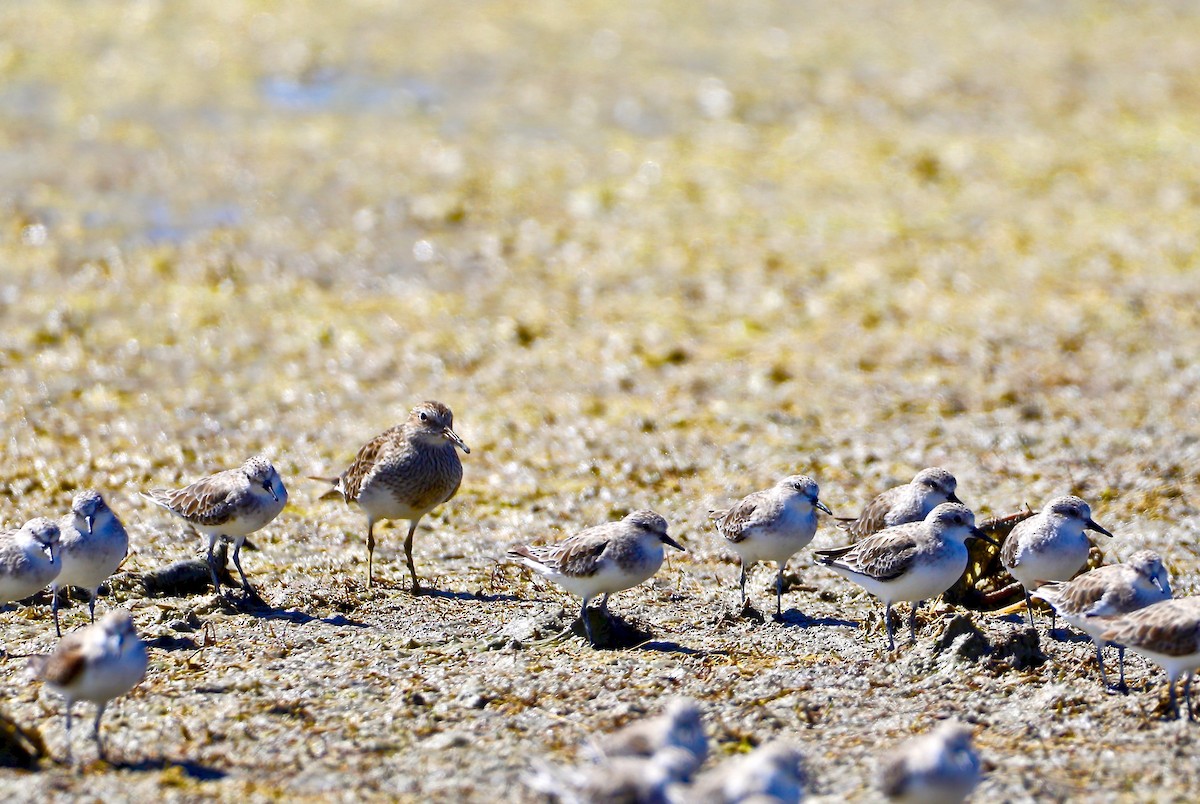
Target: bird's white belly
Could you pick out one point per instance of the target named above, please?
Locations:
(609, 577)
(1054, 562)
(246, 523)
(381, 502)
(89, 566)
(774, 544)
(28, 580)
(105, 681)
(923, 580)
(1175, 666)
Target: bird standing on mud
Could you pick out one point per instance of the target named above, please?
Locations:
(404, 473)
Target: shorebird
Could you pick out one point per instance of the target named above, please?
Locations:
(1167, 633)
(642, 762)
(230, 504)
(404, 473)
(1106, 592)
(640, 780)
(1049, 546)
(770, 773)
(679, 725)
(941, 767)
(910, 562)
(99, 663)
(899, 505)
(29, 559)
(92, 545)
(602, 559)
(772, 525)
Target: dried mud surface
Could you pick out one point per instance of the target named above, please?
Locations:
(651, 257)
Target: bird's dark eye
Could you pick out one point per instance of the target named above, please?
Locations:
(424, 416)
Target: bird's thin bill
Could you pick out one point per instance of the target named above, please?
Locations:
(453, 438)
(668, 540)
(1091, 525)
(952, 497)
(978, 534)
(820, 506)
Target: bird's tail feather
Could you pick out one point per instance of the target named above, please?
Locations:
(335, 489)
(158, 497)
(829, 556)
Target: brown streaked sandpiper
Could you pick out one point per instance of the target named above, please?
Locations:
(404, 473)
(941, 767)
(97, 664)
(1167, 633)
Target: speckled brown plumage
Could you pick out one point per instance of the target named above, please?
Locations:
(1170, 628)
(404, 473)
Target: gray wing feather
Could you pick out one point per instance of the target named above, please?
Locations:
(733, 523)
(872, 518)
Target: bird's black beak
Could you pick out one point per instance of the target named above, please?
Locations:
(820, 506)
(270, 490)
(1091, 525)
(976, 533)
(668, 540)
(453, 438)
(91, 523)
(952, 497)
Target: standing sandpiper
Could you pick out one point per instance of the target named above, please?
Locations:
(941, 767)
(899, 505)
(1049, 546)
(404, 473)
(93, 544)
(231, 504)
(772, 525)
(910, 562)
(602, 559)
(97, 664)
(1107, 592)
(1167, 633)
(29, 559)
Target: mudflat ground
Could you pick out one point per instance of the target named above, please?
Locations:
(656, 256)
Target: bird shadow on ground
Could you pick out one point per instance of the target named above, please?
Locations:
(675, 647)
(265, 611)
(790, 617)
(1067, 635)
(172, 643)
(615, 633)
(797, 618)
(194, 770)
(446, 594)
